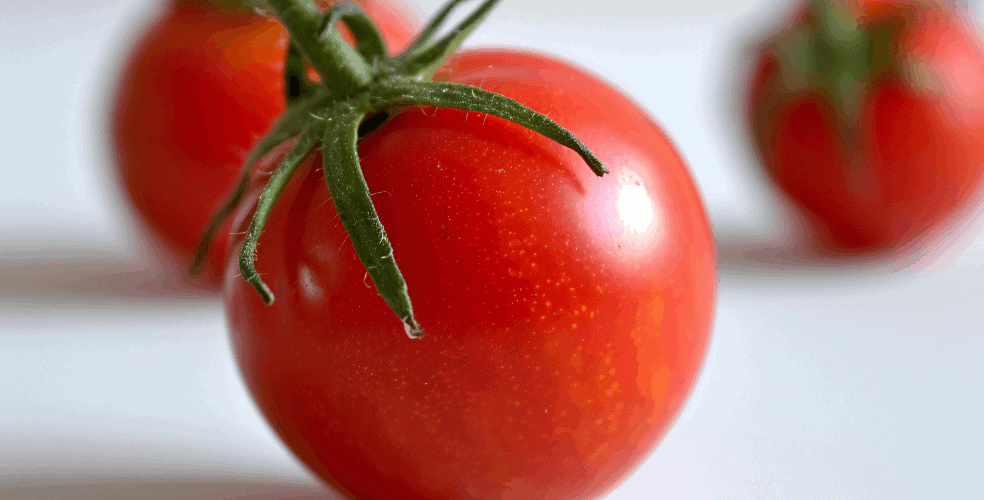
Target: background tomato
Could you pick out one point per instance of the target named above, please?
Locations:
(566, 315)
(203, 84)
(912, 178)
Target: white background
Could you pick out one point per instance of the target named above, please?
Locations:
(820, 382)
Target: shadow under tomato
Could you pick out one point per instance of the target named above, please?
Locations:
(161, 489)
(792, 249)
(147, 270)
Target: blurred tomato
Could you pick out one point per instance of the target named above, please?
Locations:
(870, 115)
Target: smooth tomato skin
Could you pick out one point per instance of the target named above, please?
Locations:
(922, 146)
(566, 316)
(201, 87)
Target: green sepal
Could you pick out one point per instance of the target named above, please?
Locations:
(355, 82)
(423, 62)
(841, 54)
(420, 42)
(355, 209)
(835, 55)
(466, 97)
(287, 126)
(368, 41)
(268, 198)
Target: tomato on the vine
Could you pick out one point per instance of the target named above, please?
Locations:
(566, 315)
(869, 114)
(204, 83)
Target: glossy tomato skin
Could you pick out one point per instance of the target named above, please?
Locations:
(566, 316)
(203, 84)
(915, 180)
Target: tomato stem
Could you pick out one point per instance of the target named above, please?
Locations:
(421, 59)
(296, 83)
(342, 69)
(841, 54)
(356, 83)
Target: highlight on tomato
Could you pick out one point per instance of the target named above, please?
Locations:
(529, 227)
(869, 115)
(203, 84)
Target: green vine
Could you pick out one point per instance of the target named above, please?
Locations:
(357, 82)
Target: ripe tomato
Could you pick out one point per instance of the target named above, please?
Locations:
(912, 177)
(566, 315)
(203, 84)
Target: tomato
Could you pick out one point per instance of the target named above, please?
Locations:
(202, 85)
(911, 178)
(566, 315)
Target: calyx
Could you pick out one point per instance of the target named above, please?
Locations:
(840, 55)
(356, 83)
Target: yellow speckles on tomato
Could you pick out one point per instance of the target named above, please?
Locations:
(611, 389)
(659, 385)
(653, 378)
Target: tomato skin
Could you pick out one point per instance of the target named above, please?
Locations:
(202, 85)
(566, 316)
(919, 179)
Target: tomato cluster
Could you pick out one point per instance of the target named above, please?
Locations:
(534, 232)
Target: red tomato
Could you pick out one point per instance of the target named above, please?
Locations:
(203, 84)
(565, 315)
(913, 178)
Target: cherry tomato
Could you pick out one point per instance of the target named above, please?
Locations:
(202, 85)
(565, 315)
(912, 178)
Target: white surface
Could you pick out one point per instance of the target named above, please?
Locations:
(819, 382)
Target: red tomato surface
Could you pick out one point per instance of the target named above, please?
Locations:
(566, 315)
(201, 87)
(915, 179)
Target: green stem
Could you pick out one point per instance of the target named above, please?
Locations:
(842, 51)
(342, 68)
(368, 40)
(356, 82)
(420, 43)
(424, 62)
(296, 83)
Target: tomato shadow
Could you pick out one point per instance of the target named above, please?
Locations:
(162, 489)
(142, 269)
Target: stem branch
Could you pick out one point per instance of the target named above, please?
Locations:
(342, 68)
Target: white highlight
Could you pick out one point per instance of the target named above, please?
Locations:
(635, 208)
